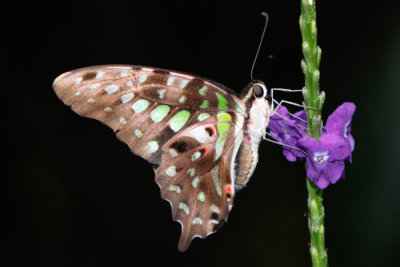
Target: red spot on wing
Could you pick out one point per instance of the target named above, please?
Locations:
(204, 151)
(229, 190)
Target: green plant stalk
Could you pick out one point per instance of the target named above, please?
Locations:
(314, 101)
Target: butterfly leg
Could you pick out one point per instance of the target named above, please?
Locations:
(274, 101)
(283, 144)
(285, 101)
(273, 109)
(283, 90)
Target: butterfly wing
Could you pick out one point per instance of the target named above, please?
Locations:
(188, 128)
(196, 176)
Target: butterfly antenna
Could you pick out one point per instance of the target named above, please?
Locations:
(259, 45)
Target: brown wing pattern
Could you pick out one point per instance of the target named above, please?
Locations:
(196, 178)
(188, 127)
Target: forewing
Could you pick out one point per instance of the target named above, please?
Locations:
(144, 106)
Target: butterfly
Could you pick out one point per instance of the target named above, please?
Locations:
(201, 138)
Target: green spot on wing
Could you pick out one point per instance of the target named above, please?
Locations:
(178, 120)
(221, 138)
(175, 188)
(161, 93)
(214, 208)
(203, 90)
(184, 207)
(159, 113)
(111, 89)
(221, 101)
(126, 98)
(183, 83)
(191, 172)
(204, 104)
(138, 133)
(219, 146)
(171, 171)
(201, 196)
(196, 155)
(140, 105)
(224, 116)
(153, 146)
(215, 177)
(203, 116)
(182, 99)
(197, 220)
(223, 127)
(195, 181)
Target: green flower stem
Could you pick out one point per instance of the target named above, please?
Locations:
(314, 101)
(316, 225)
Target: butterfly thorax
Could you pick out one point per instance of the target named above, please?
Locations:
(255, 97)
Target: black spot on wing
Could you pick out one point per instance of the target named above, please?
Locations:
(182, 146)
(218, 226)
(202, 151)
(89, 76)
(214, 216)
(209, 131)
(155, 166)
(198, 81)
(160, 71)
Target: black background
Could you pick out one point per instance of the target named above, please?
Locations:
(72, 195)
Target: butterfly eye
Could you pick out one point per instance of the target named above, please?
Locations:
(258, 91)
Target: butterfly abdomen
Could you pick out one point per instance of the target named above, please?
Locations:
(244, 163)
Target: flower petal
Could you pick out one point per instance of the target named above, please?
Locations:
(289, 155)
(312, 173)
(334, 171)
(339, 122)
(308, 144)
(340, 117)
(337, 146)
(318, 177)
(301, 118)
(322, 182)
(283, 111)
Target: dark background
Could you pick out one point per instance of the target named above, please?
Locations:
(72, 195)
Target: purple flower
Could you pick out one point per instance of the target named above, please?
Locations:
(325, 161)
(287, 131)
(301, 119)
(339, 122)
(326, 156)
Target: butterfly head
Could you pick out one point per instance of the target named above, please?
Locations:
(255, 92)
(258, 89)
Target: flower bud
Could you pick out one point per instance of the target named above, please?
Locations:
(314, 30)
(304, 66)
(306, 51)
(306, 94)
(319, 52)
(316, 79)
(321, 99)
